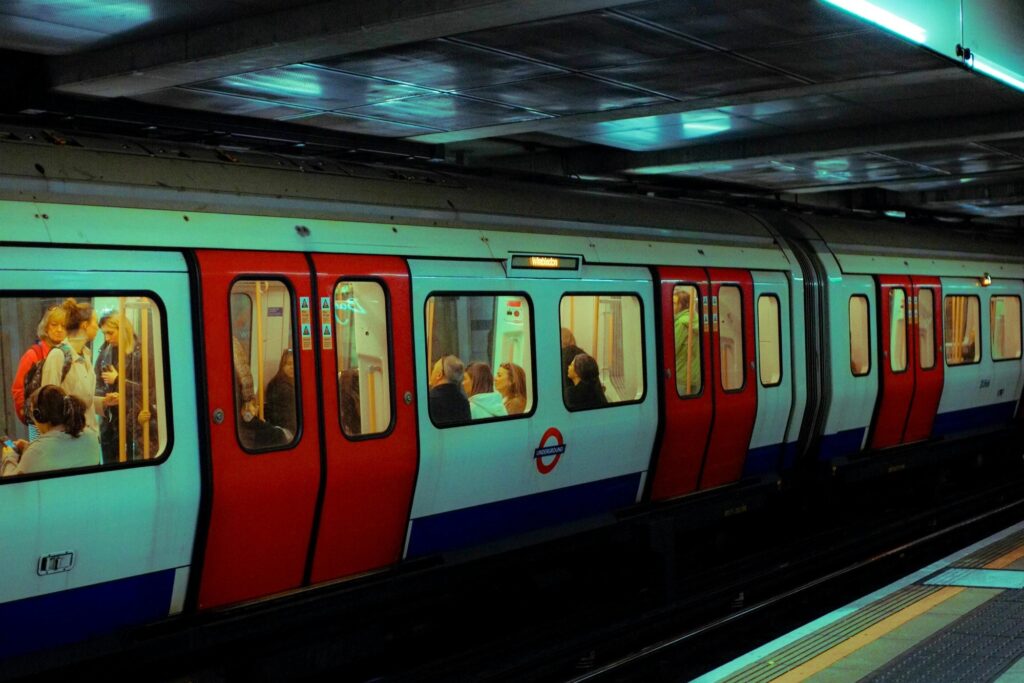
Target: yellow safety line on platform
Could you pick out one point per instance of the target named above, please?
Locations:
(868, 635)
(1007, 559)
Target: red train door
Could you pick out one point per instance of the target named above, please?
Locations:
(369, 413)
(689, 402)
(733, 375)
(264, 479)
(927, 341)
(897, 375)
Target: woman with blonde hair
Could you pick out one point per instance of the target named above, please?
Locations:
(510, 382)
(118, 334)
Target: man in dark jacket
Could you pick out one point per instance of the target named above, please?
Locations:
(448, 404)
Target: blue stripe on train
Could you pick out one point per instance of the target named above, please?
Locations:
(68, 616)
(482, 523)
(973, 418)
(841, 443)
(770, 459)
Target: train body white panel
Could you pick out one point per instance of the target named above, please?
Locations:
(774, 392)
(473, 466)
(130, 529)
(986, 392)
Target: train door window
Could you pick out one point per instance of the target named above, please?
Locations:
(926, 328)
(1004, 312)
(479, 357)
(769, 344)
(730, 337)
(262, 336)
(897, 329)
(364, 370)
(602, 350)
(961, 325)
(686, 321)
(860, 336)
(119, 360)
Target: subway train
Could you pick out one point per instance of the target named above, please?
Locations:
(345, 367)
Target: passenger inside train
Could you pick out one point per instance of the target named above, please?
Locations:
(687, 339)
(495, 330)
(448, 402)
(64, 441)
(67, 355)
(484, 401)
(364, 368)
(586, 391)
(280, 405)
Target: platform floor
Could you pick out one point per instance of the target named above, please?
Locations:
(959, 619)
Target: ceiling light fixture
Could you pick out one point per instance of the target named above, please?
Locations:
(883, 18)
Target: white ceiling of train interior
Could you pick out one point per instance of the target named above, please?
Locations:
(801, 100)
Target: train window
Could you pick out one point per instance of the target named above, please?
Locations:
(860, 336)
(730, 337)
(961, 324)
(686, 321)
(769, 340)
(602, 350)
(897, 329)
(479, 357)
(262, 336)
(926, 328)
(113, 362)
(364, 371)
(1004, 312)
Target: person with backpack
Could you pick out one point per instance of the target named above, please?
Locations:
(69, 365)
(50, 332)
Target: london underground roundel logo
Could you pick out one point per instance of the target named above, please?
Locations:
(546, 451)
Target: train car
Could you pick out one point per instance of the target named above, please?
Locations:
(339, 368)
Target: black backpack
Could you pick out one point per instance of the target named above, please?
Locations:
(34, 375)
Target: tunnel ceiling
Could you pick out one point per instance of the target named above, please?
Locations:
(792, 99)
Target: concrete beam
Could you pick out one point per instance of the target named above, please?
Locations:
(303, 33)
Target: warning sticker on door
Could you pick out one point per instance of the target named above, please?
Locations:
(307, 335)
(325, 333)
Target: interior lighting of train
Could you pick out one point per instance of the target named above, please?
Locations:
(288, 84)
(882, 17)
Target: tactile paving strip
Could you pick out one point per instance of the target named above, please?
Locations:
(992, 552)
(979, 646)
(813, 644)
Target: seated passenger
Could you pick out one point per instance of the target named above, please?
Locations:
(569, 351)
(280, 406)
(484, 401)
(60, 419)
(586, 390)
(510, 381)
(348, 401)
(436, 374)
(448, 404)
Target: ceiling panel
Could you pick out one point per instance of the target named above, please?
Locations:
(844, 57)
(442, 64)
(446, 112)
(744, 24)
(704, 74)
(664, 132)
(583, 41)
(960, 159)
(567, 94)
(231, 105)
(42, 37)
(310, 86)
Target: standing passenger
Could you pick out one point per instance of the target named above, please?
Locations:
(686, 329)
(569, 351)
(80, 380)
(447, 402)
(50, 332)
(118, 333)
